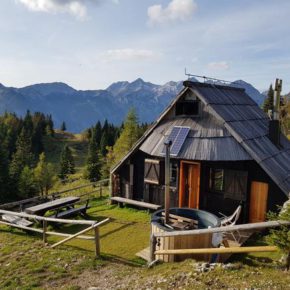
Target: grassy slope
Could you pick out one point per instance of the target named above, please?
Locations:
(25, 263)
(53, 147)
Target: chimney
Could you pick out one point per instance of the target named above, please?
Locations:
(274, 123)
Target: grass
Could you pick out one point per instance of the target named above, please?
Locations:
(130, 227)
(25, 263)
(53, 147)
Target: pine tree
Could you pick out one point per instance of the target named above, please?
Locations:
(67, 164)
(63, 126)
(93, 163)
(128, 136)
(44, 175)
(97, 132)
(21, 158)
(269, 100)
(4, 174)
(108, 162)
(26, 183)
(50, 126)
(104, 143)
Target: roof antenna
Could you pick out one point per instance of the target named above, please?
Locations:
(211, 80)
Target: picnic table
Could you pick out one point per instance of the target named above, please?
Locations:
(41, 209)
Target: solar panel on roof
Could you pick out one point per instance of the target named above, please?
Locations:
(177, 137)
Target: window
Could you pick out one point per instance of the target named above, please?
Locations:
(236, 184)
(187, 108)
(216, 180)
(232, 183)
(173, 174)
(152, 171)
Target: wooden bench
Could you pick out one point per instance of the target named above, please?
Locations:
(71, 211)
(137, 203)
(17, 220)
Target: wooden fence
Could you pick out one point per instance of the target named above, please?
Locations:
(92, 225)
(235, 228)
(97, 187)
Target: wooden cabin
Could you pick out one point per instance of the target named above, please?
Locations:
(225, 151)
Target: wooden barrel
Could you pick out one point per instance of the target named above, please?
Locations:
(204, 219)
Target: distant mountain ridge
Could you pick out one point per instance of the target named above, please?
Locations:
(82, 108)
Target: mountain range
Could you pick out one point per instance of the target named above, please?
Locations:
(82, 108)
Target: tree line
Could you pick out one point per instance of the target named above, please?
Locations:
(23, 169)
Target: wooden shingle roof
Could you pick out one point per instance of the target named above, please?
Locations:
(249, 125)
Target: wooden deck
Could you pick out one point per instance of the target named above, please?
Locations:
(144, 254)
(137, 203)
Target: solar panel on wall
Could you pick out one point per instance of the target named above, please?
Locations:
(177, 137)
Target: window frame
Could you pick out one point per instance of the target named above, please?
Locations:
(152, 166)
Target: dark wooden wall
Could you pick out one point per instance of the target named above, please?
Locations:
(211, 201)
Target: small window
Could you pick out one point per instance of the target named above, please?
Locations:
(187, 108)
(216, 181)
(236, 184)
(173, 174)
(152, 171)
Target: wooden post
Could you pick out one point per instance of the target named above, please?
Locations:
(167, 181)
(153, 242)
(80, 233)
(97, 242)
(44, 236)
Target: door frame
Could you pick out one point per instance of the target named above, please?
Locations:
(182, 183)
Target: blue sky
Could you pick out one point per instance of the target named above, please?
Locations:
(91, 43)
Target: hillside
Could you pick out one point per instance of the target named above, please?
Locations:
(25, 263)
(82, 108)
(53, 147)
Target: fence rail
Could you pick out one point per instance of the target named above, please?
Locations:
(93, 225)
(235, 228)
(96, 184)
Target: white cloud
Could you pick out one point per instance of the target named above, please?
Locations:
(77, 8)
(129, 54)
(74, 7)
(221, 65)
(177, 10)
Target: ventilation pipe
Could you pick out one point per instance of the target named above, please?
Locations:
(274, 123)
(167, 180)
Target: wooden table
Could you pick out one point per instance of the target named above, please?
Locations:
(41, 209)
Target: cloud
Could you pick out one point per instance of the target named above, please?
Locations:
(221, 65)
(129, 54)
(177, 10)
(77, 8)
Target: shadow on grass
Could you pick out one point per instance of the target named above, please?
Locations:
(138, 262)
(259, 259)
(118, 229)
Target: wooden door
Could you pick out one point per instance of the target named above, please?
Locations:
(189, 184)
(258, 201)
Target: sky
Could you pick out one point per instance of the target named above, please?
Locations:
(90, 44)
